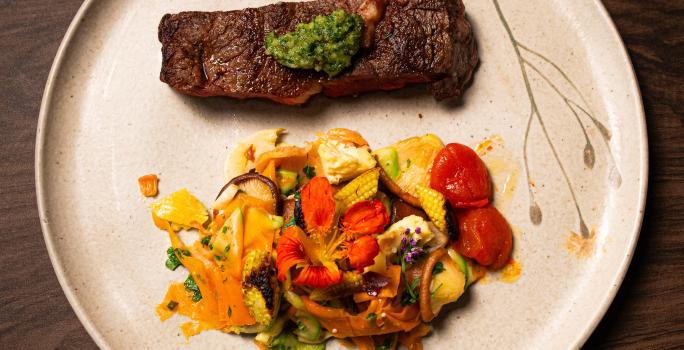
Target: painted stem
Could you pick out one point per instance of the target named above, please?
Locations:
(616, 177)
(536, 113)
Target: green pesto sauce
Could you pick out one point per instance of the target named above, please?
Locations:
(327, 43)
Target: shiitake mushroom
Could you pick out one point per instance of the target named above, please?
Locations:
(401, 209)
(257, 186)
(451, 223)
(396, 190)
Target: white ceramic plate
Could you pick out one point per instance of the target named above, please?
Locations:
(106, 119)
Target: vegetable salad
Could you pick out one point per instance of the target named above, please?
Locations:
(333, 240)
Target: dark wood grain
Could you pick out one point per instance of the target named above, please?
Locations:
(648, 312)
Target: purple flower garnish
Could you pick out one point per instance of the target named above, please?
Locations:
(413, 242)
(418, 230)
(408, 230)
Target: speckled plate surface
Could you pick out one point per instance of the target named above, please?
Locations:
(555, 95)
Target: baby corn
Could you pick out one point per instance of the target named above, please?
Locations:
(433, 203)
(364, 187)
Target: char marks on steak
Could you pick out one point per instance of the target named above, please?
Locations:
(223, 54)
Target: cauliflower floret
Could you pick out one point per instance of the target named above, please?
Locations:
(391, 240)
(343, 162)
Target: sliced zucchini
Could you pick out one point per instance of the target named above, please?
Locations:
(289, 341)
(287, 180)
(308, 328)
(389, 161)
(294, 299)
(269, 335)
(464, 265)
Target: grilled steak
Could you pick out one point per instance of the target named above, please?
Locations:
(223, 54)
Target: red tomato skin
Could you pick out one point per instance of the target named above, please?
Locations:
(460, 174)
(484, 236)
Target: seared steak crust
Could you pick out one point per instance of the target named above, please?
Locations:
(223, 54)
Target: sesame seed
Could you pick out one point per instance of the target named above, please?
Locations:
(334, 330)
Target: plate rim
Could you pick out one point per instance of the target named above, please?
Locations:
(45, 105)
(99, 339)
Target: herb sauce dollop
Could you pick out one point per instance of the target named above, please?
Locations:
(328, 43)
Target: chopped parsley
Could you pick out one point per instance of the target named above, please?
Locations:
(309, 171)
(371, 316)
(230, 311)
(172, 262)
(408, 163)
(224, 229)
(171, 305)
(223, 255)
(206, 240)
(191, 286)
(439, 267)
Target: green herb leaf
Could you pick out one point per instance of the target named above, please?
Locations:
(309, 171)
(439, 268)
(171, 305)
(206, 240)
(410, 295)
(172, 262)
(386, 345)
(290, 222)
(224, 229)
(432, 294)
(230, 311)
(371, 316)
(191, 286)
(408, 163)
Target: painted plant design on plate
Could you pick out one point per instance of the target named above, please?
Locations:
(532, 64)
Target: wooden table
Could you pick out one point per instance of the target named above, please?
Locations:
(648, 312)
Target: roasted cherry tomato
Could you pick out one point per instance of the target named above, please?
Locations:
(460, 174)
(484, 236)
